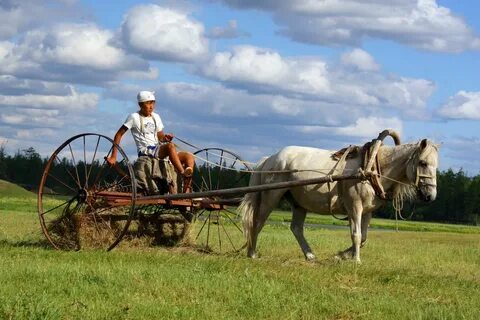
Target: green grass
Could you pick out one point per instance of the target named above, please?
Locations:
(404, 275)
(326, 220)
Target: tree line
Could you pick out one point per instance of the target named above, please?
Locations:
(458, 195)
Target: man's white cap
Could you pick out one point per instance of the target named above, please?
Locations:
(143, 96)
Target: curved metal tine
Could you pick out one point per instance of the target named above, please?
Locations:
(229, 239)
(77, 208)
(204, 183)
(203, 225)
(60, 205)
(69, 173)
(219, 171)
(242, 175)
(98, 211)
(102, 167)
(93, 158)
(75, 166)
(229, 218)
(209, 171)
(195, 186)
(117, 183)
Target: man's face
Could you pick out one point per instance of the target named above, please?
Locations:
(146, 108)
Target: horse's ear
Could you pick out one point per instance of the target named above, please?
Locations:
(424, 143)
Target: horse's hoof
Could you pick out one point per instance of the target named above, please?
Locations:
(310, 256)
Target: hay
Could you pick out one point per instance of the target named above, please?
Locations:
(87, 230)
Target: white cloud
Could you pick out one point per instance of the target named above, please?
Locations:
(17, 16)
(370, 127)
(230, 31)
(74, 100)
(266, 71)
(164, 34)
(360, 60)
(463, 105)
(81, 53)
(363, 127)
(421, 24)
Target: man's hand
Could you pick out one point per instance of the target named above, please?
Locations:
(168, 137)
(111, 161)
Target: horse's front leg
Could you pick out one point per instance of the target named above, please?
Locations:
(356, 229)
(298, 221)
(350, 252)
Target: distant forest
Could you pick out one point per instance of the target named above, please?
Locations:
(458, 198)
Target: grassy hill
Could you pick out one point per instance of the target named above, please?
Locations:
(16, 198)
(8, 189)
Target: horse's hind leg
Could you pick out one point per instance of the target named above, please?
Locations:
(269, 199)
(298, 220)
(365, 222)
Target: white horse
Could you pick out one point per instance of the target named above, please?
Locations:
(408, 170)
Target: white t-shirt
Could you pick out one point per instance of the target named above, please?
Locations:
(145, 138)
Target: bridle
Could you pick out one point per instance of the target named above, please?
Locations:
(419, 177)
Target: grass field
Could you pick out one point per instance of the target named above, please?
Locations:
(404, 275)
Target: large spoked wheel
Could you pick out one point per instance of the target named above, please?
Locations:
(82, 201)
(219, 230)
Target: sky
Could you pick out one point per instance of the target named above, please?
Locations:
(248, 76)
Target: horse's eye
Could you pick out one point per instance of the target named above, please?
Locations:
(423, 163)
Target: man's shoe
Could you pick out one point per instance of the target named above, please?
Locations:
(188, 172)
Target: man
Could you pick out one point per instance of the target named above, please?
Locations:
(147, 131)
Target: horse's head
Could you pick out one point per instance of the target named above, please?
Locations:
(422, 170)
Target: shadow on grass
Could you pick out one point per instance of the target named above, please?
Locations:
(44, 244)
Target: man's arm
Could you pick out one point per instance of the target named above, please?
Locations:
(118, 137)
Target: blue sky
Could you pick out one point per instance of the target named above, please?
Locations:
(249, 76)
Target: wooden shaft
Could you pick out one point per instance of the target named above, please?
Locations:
(249, 189)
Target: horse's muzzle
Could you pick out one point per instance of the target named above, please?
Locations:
(427, 193)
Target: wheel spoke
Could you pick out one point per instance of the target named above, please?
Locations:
(75, 166)
(93, 158)
(219, 171)
(203, 225)
(229, 239)
(239, 229)
(69, 173)
(103, 166)
(57, 179)
(201, 213)
(209, 173)
(219, 234)
(208, 228)
(56, 207)
(85, 162)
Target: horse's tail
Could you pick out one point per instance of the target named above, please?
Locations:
(250, 205)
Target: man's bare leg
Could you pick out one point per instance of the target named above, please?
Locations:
(181, 161)
(188, 161)
(169, 150)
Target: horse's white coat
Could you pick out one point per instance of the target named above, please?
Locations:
(413, 165)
